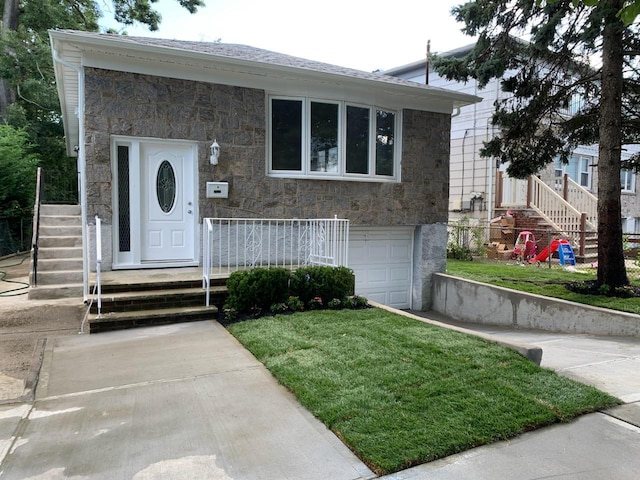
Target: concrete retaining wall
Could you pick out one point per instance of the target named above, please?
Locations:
(477, 302)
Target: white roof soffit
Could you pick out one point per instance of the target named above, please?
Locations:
(67, 84)
(268, 71)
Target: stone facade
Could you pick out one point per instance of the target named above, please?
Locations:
(136, 105)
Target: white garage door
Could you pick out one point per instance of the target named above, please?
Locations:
(381, 261)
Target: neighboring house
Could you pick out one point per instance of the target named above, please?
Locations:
(473, 178)
(297, 138)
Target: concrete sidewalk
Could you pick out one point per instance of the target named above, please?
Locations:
(180, 401)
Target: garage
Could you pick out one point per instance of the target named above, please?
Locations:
(381, 259)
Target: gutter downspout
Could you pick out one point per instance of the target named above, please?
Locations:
(492, 176)
(82, 180)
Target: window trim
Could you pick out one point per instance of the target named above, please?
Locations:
(341, 174)
(560, 169)
(623, 185)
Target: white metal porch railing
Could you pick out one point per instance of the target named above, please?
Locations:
(230, 244)
(99, 263)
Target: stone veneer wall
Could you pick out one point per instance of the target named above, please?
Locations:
(136, 105)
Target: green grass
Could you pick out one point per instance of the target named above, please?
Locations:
(540, 280)
(400, 392)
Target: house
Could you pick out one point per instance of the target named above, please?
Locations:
(475, 181)
(158, 125)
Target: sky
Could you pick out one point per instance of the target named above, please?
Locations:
(366, 35)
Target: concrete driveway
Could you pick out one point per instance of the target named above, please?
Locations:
(180, 401)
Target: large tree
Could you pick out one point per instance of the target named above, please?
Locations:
(28, 97)
(571, 71)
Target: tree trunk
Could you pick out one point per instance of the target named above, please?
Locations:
(611, 267)
(9, 22)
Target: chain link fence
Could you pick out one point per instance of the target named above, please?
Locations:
(503, 241)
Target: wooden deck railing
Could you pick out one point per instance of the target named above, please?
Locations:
(578, 196)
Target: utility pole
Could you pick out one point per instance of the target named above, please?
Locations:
(426, 73)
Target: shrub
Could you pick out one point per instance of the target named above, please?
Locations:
(355, 301)
(323, 282)
(229, 313)
(257, 288)
(266, 289)
(334, 304)
(315, 303)
(295, 304)
(279, 308)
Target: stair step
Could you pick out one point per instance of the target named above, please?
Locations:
(56, 264)
(58, 277)
(60, 231)
(49, 209)
(150, 285)
(63, 241)
(123, 320)
(157, 299)
(45, 253)
(50, 292)
(61, 220)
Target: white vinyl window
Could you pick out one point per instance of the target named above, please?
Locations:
(332, 139)
(628, 180)
(578, 169)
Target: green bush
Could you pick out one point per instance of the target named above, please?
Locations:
(323, 282)
(266, 289)
(355, 301)
(295, 304)
(249, 290)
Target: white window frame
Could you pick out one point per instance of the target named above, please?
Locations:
(624, 183)
(587, 161)
(560, 169)
(341, 174)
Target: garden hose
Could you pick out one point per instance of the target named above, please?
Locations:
(19, 290)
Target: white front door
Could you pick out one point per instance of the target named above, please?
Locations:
(167, 199)
(160, 197)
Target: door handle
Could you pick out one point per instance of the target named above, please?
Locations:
(189, 211)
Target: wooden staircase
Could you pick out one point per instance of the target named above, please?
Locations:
(140, 299)
(572, 214)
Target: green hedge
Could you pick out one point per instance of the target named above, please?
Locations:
(261, 288)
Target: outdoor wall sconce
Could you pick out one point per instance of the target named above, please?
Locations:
(215, 153)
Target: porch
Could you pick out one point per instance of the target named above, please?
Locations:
(565, 208)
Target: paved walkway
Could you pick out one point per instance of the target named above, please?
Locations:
(187, 401)
(180, 401)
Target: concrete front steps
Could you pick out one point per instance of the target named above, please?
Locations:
(59, 254)
(138, 301)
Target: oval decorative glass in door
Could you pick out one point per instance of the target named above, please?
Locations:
(166, 186)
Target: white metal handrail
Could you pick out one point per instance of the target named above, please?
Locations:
(231, 244)
(99, 263)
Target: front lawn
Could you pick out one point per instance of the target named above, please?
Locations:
(400, 392)
(541, 280)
